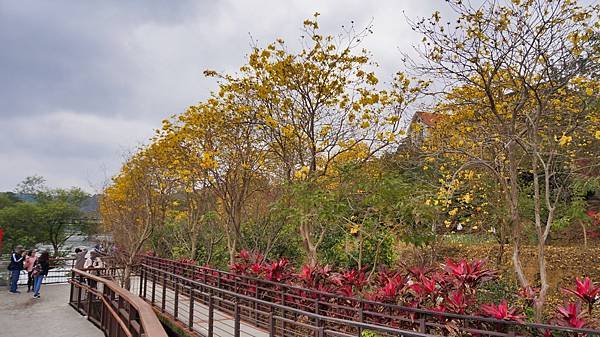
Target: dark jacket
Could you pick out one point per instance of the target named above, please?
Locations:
(44, 265)
(16, 261)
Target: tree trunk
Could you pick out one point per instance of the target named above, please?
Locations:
(515, 218)
(231, 246)
(193, 248)
(585, 241)
(127, 271)
(309, 247)
(541, 298)
(126, 277)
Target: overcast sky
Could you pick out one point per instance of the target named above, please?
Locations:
(84, 82)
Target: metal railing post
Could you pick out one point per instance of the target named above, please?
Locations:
(211, 314)
(164, 292)
(361, 316)
(236, 328)
(272, 323)
(72, 287)
(153, 287)
(145, 281)
(191, 309)
(282, 311)
(141, 282)
(422, 326)
(176, 305)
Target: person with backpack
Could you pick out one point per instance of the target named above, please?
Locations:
(15, 266)
(28, 266)
(40, 270)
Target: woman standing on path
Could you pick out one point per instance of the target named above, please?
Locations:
(28, 265)
(40, 270)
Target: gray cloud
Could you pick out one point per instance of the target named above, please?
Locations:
(82, 82)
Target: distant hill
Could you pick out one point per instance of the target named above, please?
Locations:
(91, 205)
(25, 197)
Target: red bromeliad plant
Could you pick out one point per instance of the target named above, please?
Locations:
(349, 282)
(570, 315)
(468, 274)
(315, 277)
(457, 302)
(452, 288)
(247, 263)
(389, 285)
(501, 311)
(278, 271)
(425, 290)
(585, 290)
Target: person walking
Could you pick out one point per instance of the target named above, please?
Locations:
(40, 270)
(80, 262)
(79, 258)
(28, 266)
(15, 267)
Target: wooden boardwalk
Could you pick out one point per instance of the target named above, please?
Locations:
(223, 323)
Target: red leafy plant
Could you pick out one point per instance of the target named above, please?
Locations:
(349, 282)
(248, 263)
(570, 315)
(278, 271)
(585, 290)
(389, 286)
(457, 302)
(468, 274)
(501, 311)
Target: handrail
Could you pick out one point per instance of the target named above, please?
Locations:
(108, 306)
(150, 325)
(213, 290)
(361, 303)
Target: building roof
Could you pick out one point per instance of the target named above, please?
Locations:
(428, 118)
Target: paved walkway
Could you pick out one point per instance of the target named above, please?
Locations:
(50, 316)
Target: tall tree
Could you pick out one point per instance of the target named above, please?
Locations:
(136, 203)
(311, 106)
(522, 79)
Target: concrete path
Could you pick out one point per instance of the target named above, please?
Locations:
(49, 316)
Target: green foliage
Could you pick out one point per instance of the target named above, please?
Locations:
(45, 220)
(7, 199)
(369, 333)
(21, 225)
(575, 208)
(495, 291)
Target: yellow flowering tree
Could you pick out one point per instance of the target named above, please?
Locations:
(136, 203)
(314, 105)
(522, 98)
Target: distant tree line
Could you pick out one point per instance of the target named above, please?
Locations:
(35, 214)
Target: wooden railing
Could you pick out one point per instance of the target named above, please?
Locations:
(299, 311)
(116, 311)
